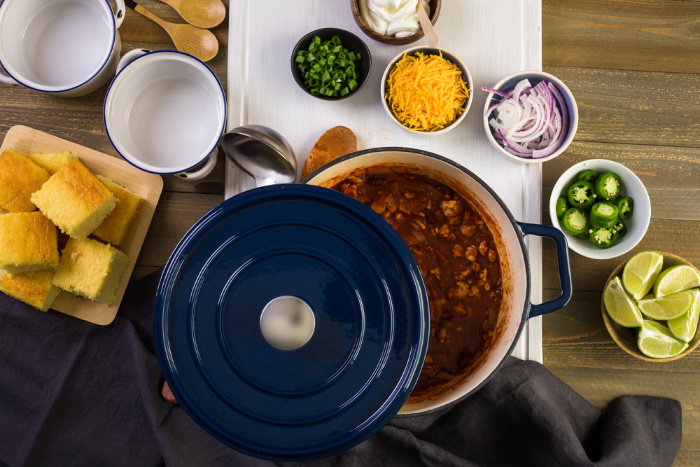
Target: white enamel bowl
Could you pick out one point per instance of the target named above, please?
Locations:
(633, 187)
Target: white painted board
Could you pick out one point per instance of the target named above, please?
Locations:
(494, 38)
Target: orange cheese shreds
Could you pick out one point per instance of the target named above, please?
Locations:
(426, 92)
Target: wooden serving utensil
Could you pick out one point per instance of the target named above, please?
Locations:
(428, 29)
(200, 43)
(205, 14)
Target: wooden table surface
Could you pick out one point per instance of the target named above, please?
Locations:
(634, 68)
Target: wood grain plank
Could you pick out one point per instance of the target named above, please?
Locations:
(176, 213)
(634, 107)
(600, 385)
(671, 235)
(650, 35)
(576, 336)
(655, 166)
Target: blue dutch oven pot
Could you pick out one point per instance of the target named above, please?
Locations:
(291, 322)
(509, 234)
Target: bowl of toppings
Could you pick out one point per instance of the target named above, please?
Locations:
(602, 207)
(651, 306)
(393, 22)
(530, 116)
(434, 104)
(331, 63)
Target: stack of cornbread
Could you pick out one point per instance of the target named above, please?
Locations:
(81, 204)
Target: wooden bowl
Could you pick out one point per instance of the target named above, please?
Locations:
(435, 6)
(626, 338)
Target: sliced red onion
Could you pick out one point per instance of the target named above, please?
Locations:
(529, 121)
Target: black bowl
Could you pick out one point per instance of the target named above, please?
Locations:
(351, 42)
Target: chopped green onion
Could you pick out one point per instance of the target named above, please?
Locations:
(327, 68)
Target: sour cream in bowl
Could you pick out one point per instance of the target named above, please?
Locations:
(393, 22)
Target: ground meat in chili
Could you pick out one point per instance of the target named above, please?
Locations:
(457, 257)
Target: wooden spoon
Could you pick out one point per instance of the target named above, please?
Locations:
(195, 41)
(205, 14)
(428, 29)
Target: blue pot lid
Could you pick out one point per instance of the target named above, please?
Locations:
(291, 267)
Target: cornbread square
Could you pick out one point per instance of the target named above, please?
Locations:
(90, 269)
(113, 229)
(19, 178)
(75, 200)
(53, 162)
(28, 242)
(34, 288)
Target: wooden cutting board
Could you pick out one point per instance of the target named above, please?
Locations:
(149, 186)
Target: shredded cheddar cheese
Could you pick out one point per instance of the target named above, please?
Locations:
(426, 92)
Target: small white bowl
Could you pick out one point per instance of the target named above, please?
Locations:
(632, 186)
(535, 78)
(428, 51)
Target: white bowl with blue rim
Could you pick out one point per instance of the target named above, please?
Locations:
(632, 186)
(534, 77)
(165, 113)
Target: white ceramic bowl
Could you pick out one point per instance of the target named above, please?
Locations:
(632, 186)
(534, 77)
(428, 51)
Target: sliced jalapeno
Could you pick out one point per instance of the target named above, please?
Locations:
(562, 206)
(625, 207)
(604, 214)
(586, 231)
(602, 237)
(575, 221)
(608, 186)
(587, 175)
(620, 228)
(581, 194)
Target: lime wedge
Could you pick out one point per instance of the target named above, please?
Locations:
(640, 273)
(675, 279)
(620, 306)
(656, 341)
(685, 325)
(669, 307)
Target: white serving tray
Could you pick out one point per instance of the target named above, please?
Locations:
(494, 38)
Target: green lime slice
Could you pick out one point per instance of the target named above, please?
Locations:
(675, 279)
(669, 307)
(656, 341)
(640, 273)
(685, 325)
(620, 306)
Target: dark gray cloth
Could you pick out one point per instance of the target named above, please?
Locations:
(73, 393)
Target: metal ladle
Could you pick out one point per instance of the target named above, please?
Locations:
(261, 152)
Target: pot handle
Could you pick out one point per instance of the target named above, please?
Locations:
(564, 267)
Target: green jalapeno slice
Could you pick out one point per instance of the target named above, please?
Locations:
(620, 228)
(604, 214)
(602, 237)
(581, 194)
(587, 175)
(608, 186)
(625, 207)
(562, 206)
(575, 221)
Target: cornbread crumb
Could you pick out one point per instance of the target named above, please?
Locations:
(28, 242)
(90, 269)
(75, 200)
(34, 288)
(19, 178)
(53, 162)
(114, 228)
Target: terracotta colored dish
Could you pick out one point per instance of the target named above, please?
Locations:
(435, 6)
(626, 338)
